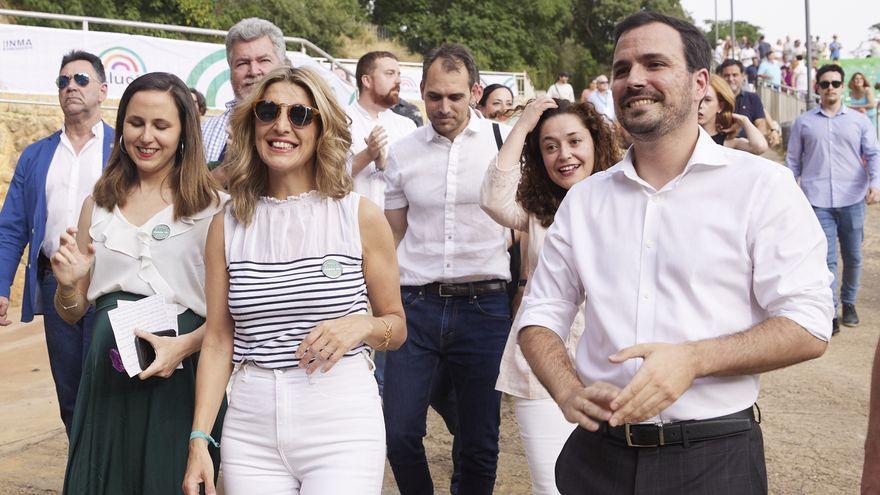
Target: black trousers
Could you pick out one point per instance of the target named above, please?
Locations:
(598, 464)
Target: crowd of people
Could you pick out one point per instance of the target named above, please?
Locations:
(337, 271)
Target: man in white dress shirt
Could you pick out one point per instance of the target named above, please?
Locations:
(561, 89)
(374, 126)
(453, 273)
(701, 267)
(52, 178)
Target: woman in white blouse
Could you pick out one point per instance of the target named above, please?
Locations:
(291, 266)
(554, 145)
(141, 233)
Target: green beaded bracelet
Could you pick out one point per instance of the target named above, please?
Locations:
(200, 434)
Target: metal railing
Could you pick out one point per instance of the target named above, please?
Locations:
(303, 43)
(783, 103)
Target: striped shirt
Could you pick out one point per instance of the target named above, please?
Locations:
(297, 264)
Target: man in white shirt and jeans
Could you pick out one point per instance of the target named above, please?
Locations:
(701, 266)
(454, 270)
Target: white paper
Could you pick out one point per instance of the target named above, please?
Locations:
(149, 314)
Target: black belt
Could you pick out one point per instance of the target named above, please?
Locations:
(682, 432)
(467, 289)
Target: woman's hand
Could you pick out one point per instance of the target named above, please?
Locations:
(199, 469)
(68, 263)
(531, 114)
(170, 351)
(330, 340)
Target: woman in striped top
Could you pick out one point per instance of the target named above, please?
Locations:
(291, 265)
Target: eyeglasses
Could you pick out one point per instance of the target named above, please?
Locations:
(267, 111)
(825, 84)
(602, 82)
(81, 79)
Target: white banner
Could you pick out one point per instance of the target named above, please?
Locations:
(30, 58)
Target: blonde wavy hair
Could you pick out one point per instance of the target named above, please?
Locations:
(248, 177)
(726, 104)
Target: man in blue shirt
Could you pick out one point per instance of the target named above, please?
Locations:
(835, 47)
(825, 152)
(769, 71)
(748, 103)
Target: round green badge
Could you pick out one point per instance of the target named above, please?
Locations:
(161, 232)
(331, 268)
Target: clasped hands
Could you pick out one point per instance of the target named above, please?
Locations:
(667, 371)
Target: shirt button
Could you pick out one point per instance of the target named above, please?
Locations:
(645, 296)
(655, 199)
(448, 265)
(649, 245)
(449, 237)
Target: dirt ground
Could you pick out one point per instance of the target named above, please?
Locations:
(814, 414)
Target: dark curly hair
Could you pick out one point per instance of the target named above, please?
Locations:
(537, 193)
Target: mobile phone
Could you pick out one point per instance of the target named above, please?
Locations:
(145, 352)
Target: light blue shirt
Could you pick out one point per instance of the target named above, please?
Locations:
(825, 152)
(604, 104)
(771, 73)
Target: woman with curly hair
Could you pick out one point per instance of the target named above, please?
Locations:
(554, 145)
(291, 265)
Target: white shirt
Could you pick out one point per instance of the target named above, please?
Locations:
(604, 104)
(746, 55)
(727, 244)
(370, 182)
(561, 91)
(70, 180)
(132, 259)
(448, 238)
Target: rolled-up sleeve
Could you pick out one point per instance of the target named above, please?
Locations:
(555, 291)
(788, 249)
(395, 198)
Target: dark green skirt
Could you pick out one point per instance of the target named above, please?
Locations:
(131, 436)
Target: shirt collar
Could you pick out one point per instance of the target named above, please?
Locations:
(472, 126)
(231, 103)
(818, 111)
(706, 153)
(97, 129)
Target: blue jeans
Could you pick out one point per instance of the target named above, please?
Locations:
(463, 337)
(67, 344)
(846, 224)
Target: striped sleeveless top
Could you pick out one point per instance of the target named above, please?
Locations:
(298, 263)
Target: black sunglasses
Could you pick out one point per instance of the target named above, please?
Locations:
(300, 115)
(825, 84)
(81, 79)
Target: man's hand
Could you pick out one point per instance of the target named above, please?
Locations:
(376, 141)
(4, 307)
(587, 405)
(667, 372)
(873, 196)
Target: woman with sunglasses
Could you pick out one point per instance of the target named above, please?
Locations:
(554, 145)
(142, 232)
(716, 116)
(291, 267)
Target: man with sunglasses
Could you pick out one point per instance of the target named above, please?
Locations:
(825, 151)
(52, 178)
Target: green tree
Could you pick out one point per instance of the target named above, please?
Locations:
(743, 28)
(324, 22)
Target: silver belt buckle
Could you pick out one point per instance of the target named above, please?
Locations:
(630, 443)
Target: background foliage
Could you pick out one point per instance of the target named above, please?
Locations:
(538, 36)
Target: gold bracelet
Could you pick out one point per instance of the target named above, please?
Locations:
(59, 302)
(386, 337)
(64, 298)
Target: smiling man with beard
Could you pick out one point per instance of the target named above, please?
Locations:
(52, 178)
(699, 267)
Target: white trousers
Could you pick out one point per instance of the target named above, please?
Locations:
(289, 433)
(543, 430)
